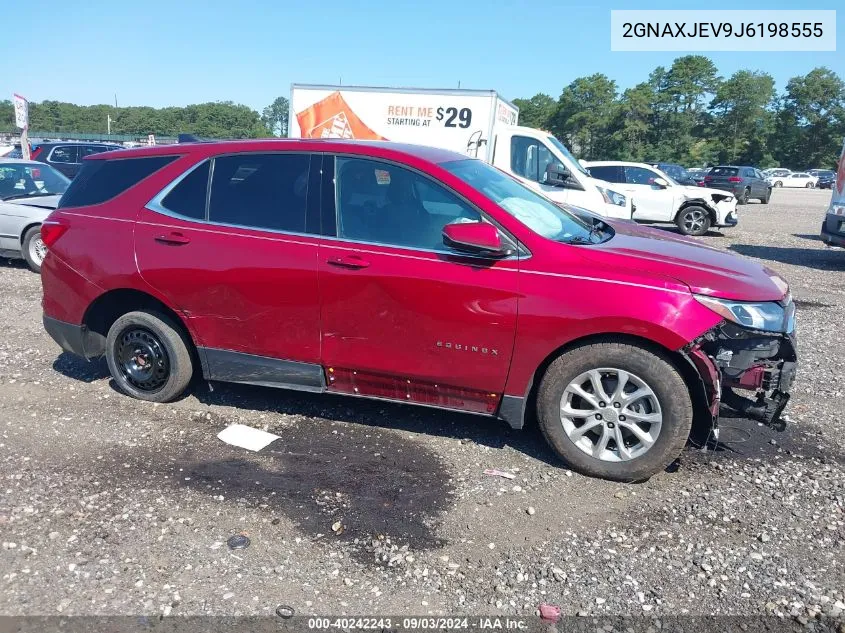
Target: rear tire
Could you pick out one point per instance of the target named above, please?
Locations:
(149, 356)
(809, 185)
(693, 220)
(645, 372)
(33, 249)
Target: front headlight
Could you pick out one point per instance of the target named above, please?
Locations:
(611, 197)
(768, 316)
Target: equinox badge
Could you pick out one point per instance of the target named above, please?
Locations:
(462, 347)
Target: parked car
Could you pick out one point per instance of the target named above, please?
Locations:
(776, 171)
(744, 182)
(826, 179)
(799, 179)
(659, 198)
(413, 274)
(678, 173)
(833, 226)
(29, 191)
(698, 174)
(67, 157)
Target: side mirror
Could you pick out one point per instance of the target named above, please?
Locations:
(660, 182)
(477, 238)
(556, 175)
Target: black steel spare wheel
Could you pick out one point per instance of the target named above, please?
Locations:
(149, 356)
(142, 359)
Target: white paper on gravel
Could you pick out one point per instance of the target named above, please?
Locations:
(246, 437)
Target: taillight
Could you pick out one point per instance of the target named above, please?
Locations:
(708, 178)
(734, 179)
(51, 231)
(34, 153)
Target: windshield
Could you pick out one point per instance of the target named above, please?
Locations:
(569, 157)
(535, 211)
(676, 172)
(20, 180)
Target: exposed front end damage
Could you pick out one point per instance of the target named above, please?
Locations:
(721, 204)
(730, 357)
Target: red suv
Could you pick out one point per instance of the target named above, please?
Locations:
(410, 274)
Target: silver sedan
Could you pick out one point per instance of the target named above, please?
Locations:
(29, 191)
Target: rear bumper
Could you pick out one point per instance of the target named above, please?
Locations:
(76, 339)
(831, 233)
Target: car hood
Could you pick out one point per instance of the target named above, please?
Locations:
(42, 202)
(700, 192)
(703, 269)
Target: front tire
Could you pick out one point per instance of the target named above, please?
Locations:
(614, 410)
(149, 356)
(765, 199)
(693, 220)
(778, 184)
(743, 197)
(33, 248)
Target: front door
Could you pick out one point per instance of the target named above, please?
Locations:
(240, 265)
(404, 317)
(654, 202)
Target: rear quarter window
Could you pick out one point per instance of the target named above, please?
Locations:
(102, 180)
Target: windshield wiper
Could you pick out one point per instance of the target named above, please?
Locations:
(34, 194)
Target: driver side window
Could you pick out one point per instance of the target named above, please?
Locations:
(383, 203)
(530, 158)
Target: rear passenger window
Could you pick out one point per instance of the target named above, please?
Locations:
(65, 154)
(101, 180)
(187, 198)
(262, 191)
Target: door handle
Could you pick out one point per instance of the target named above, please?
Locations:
(173, 239)
(353, 262)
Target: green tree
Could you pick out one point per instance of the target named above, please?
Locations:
(584, 115)
(631, 123)
(680, 95)
(743, 117)
(537, 111)
(811, 121)
(275, 117)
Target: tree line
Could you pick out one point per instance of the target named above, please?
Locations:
(690, 115)
(684, 114)
(223, 119)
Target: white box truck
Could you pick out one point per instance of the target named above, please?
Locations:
(476, 123)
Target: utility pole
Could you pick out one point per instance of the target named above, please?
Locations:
(108, 124)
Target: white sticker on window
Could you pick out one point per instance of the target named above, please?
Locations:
(382, 177)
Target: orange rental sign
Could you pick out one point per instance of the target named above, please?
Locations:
(333, 118)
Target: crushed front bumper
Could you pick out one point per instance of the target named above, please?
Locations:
(731, 357)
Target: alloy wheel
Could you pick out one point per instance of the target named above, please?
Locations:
(611, 414)
(694, 220)
(37, 250)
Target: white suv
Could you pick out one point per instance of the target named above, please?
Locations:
(658, 198)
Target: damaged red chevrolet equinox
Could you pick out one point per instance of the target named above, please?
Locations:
(415, 275)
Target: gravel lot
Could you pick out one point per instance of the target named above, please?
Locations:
(114, 506)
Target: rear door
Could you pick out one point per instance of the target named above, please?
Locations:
(403, 316)
(232, 251)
